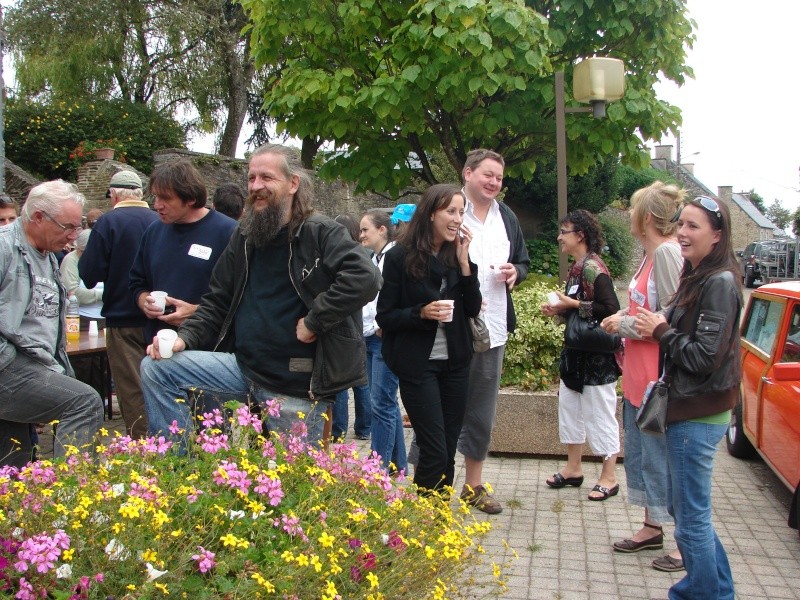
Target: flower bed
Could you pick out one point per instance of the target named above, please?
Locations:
(242, 517)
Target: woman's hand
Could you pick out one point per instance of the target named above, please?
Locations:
(646, 322)
(463, 239)
(438, 310)
(611, 324)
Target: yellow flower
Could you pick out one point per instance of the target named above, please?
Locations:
(130, 587)
(163, 588)
(263, 583)
(326, 539)
(67, 554)
(302, 560)
(176, 533)
(373, 580)
(149, 556)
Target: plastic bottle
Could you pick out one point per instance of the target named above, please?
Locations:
(73, 320)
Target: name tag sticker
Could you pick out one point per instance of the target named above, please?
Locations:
(573, 290)
(199, 251)
(637, 297)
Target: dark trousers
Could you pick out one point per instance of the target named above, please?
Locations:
(435, 404)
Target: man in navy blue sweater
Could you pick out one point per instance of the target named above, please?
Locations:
(178, 253)
(108, 257)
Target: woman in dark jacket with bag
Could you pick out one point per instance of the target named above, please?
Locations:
(587, 396)
(430, 290)
(699, 344)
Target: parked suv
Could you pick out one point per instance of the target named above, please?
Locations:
(755, 261)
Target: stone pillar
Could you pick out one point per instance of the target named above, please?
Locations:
(725, 193)
(688, 167)
(664, 152)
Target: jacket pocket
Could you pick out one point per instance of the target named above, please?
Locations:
(341, 357)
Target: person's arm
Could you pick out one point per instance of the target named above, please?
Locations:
(667, 266)
(93, 264)
(356, 280)
(72, 281)
(392, 314)
(518, 257)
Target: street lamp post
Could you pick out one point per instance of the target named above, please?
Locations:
(597, 81)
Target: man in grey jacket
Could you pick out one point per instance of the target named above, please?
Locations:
(282, 316)
(36, 383)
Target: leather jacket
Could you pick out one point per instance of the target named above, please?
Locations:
(332, 275)
(700, 351)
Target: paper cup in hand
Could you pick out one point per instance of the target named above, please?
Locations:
(166, 340)
(552, 298)
(500, 276)
(450, 304)
(160, 299)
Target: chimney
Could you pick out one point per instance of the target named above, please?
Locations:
(664, 152)
(688, 167)
(725, 193)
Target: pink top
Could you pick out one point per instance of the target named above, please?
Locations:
(641, 357)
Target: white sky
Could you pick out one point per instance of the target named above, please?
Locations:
(740, 111)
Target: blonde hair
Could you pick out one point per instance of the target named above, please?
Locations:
(660, 200)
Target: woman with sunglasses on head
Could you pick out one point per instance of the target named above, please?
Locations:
(652, 288)
(587, 396)
(699, 342)
(430, 289)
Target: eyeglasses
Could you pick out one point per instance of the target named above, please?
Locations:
(566, 231)
(68, 228)
(709, 204)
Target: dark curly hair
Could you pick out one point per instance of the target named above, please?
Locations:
(586, 223)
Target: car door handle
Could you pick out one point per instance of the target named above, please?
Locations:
(766, 380)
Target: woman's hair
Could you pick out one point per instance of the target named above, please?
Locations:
(721, 258)
(380, 218)
(417, 238)
(350, 224)
(659, 200)
(585, 222)
(82, 239)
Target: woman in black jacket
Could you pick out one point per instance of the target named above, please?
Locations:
(430, 290)
(699, 342)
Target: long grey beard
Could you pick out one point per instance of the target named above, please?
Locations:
(261, 227)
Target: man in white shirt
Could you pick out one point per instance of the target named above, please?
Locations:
(498, 248)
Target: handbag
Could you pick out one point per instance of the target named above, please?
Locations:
(588, 336)
(480, 334)
(651, 417)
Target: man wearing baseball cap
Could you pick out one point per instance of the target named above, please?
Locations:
(108, 257)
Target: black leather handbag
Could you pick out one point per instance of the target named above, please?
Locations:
(587, 335)
(652, 414)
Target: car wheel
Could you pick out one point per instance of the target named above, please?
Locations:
(737, 442)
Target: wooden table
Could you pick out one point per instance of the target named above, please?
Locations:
(95, 345)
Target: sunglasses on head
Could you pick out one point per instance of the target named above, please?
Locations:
(704, 202)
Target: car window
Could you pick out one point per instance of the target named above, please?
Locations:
(762, 323)
(791, 348)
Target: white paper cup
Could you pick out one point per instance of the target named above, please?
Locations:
(93, 331)
(552, 298)
(500, 276)
(160, 299)
(450, 304)
(166, 340)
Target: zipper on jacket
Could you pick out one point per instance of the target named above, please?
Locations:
(297, 291)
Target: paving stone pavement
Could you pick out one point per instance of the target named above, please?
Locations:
(563, 540)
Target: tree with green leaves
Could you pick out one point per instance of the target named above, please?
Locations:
(389, 82)
(757, 200)
(779, 215)
(176, 56)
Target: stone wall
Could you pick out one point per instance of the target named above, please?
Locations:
(94, 177)
(18, 182)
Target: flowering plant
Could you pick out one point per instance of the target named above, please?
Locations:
(244, 516)
(84, 151)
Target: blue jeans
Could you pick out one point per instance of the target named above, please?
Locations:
(388, 439)
(341, 416)
(645, 467)
(690, 459)
(166, 382)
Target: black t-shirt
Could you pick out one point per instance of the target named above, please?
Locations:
(267, 348)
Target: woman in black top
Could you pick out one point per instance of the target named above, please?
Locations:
(430, 290)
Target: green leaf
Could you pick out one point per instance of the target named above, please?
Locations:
(411, 73)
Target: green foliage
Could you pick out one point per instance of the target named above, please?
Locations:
(41, 137)
(393, 81)
(757, 200)
(631, 179)
(544, 256)
(782, 217)
(796, 222)
(618, 241)
(532, 351)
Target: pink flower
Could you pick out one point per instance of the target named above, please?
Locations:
(273, 406)
(205, 560)
(174, 429)
(269, 487)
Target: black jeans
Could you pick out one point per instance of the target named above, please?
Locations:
(435, 404)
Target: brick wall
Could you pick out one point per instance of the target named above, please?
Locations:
(18, 182)
(94, 177)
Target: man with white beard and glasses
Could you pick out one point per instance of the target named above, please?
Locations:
(282, 318)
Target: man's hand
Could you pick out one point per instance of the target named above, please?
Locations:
(304, 334)
(183, 310)
(147, 304)
(152, 349)
(510, 273)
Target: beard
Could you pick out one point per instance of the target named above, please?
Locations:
(262, 226)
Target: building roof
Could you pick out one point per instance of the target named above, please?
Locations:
(743, 202)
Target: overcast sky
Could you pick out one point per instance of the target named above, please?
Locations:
(740, 112)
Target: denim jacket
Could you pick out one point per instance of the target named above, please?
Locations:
(16, 293)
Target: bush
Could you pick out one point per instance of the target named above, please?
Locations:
(41, 137)
(532, 351)
(619, 241)
(544, 256)
(243, 517)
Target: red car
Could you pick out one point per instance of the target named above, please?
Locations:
(767, 420)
